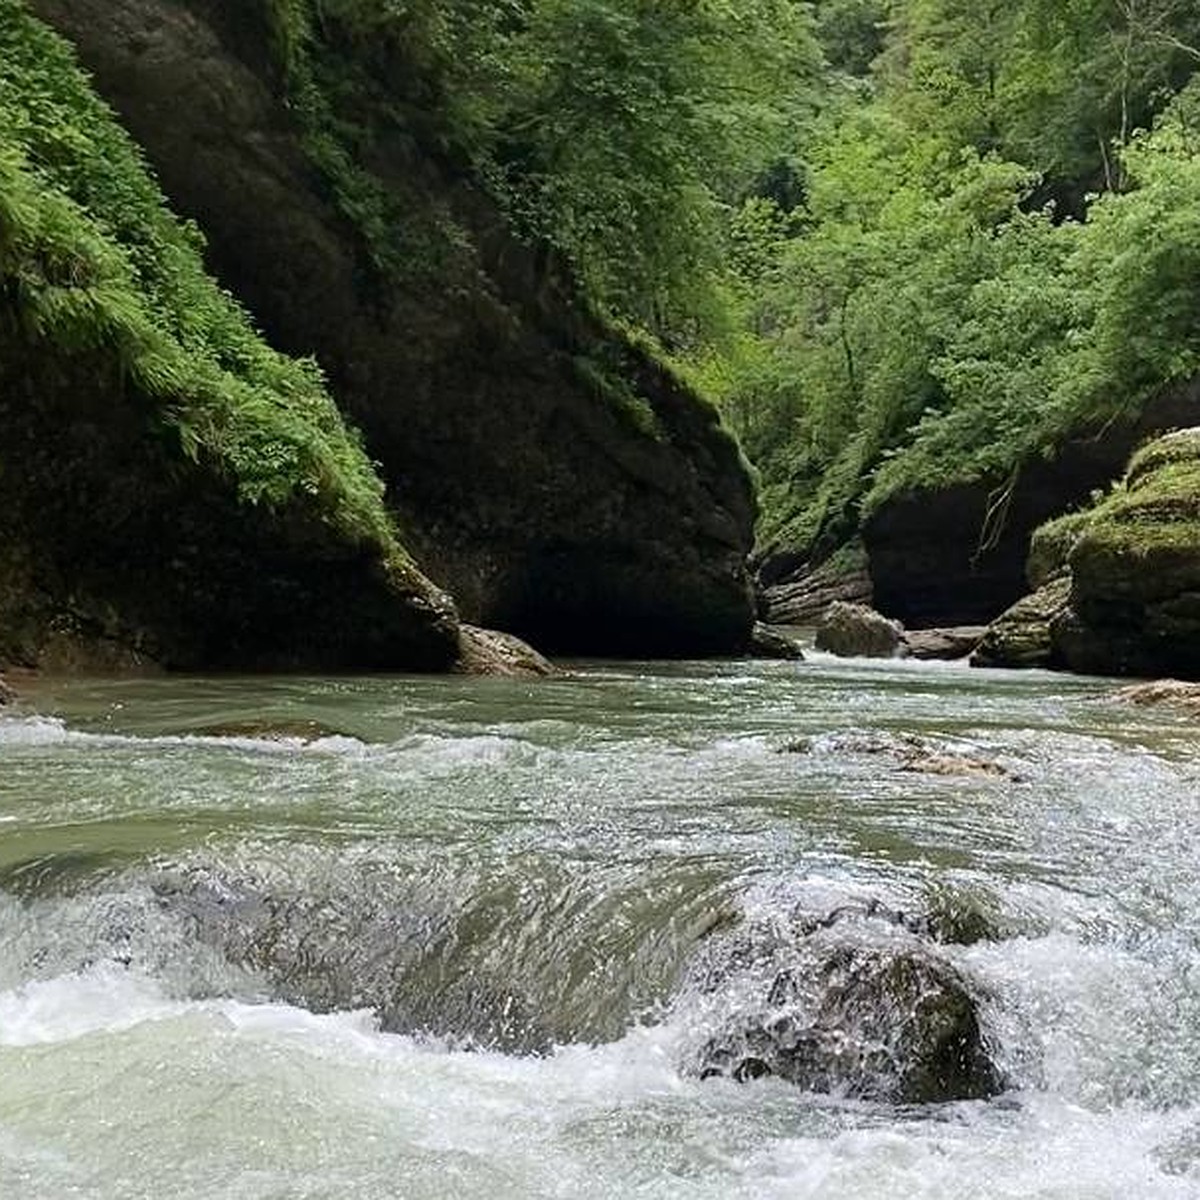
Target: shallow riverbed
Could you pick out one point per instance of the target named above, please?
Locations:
(524, 871)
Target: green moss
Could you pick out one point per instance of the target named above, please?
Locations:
(1147, 528)
(1051, 545)
(1179, 448)
(92, 259)
(611, 388)
(345, 67)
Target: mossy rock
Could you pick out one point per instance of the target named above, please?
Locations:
(1023, 636)
(1051, 545)
(172, 489)
(1136, 569)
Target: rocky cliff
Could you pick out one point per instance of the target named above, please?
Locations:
(557, 480)
(1119, 583)
(172, 490)
(958, 555)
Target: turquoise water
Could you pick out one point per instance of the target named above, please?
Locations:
(473, 906)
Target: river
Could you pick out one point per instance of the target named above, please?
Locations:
(437, 937)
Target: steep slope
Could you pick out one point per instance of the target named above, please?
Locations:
(558, 481)
(171, 489)
(956, 555)
(1119, 584)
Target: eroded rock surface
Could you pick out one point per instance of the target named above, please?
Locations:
(489, 652)
(855, 631)
(1171, 693)
(800, 595)
(858, 1004)
(944, 644)
(1023, 636)
(906, 752)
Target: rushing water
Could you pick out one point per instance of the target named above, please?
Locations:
(443, 949)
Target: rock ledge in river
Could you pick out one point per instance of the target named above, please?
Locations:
(945, 644)
(856, 631)
(1171, 692)
(766, 642)
(1022, 637)
(907, 752)
(489, 652)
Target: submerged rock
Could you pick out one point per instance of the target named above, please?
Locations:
(766, 642)
(857, 1002)
(489, 652)
(331, 951)
(7, 695)
(855, 631)
(930, 762)
(1173, 693)
(271, 729)
(907, 751)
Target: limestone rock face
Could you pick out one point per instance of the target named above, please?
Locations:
(855, 631)
(936, 560)
(1022, 637)
(800, 596)
(117, 554)
(556, 480)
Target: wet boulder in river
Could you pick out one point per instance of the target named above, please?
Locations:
(490, 652)
(900, 1027)
(860, 1000)
(768, 642)
(856, 631)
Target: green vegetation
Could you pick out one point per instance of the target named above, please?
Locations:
(617, 137)
(91, 260)
(996, 247)
(1156, 509)
(902, 243)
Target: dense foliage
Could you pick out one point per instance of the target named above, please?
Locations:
(901, 242)
(617, 136)
(92, 261)
(997, 244)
